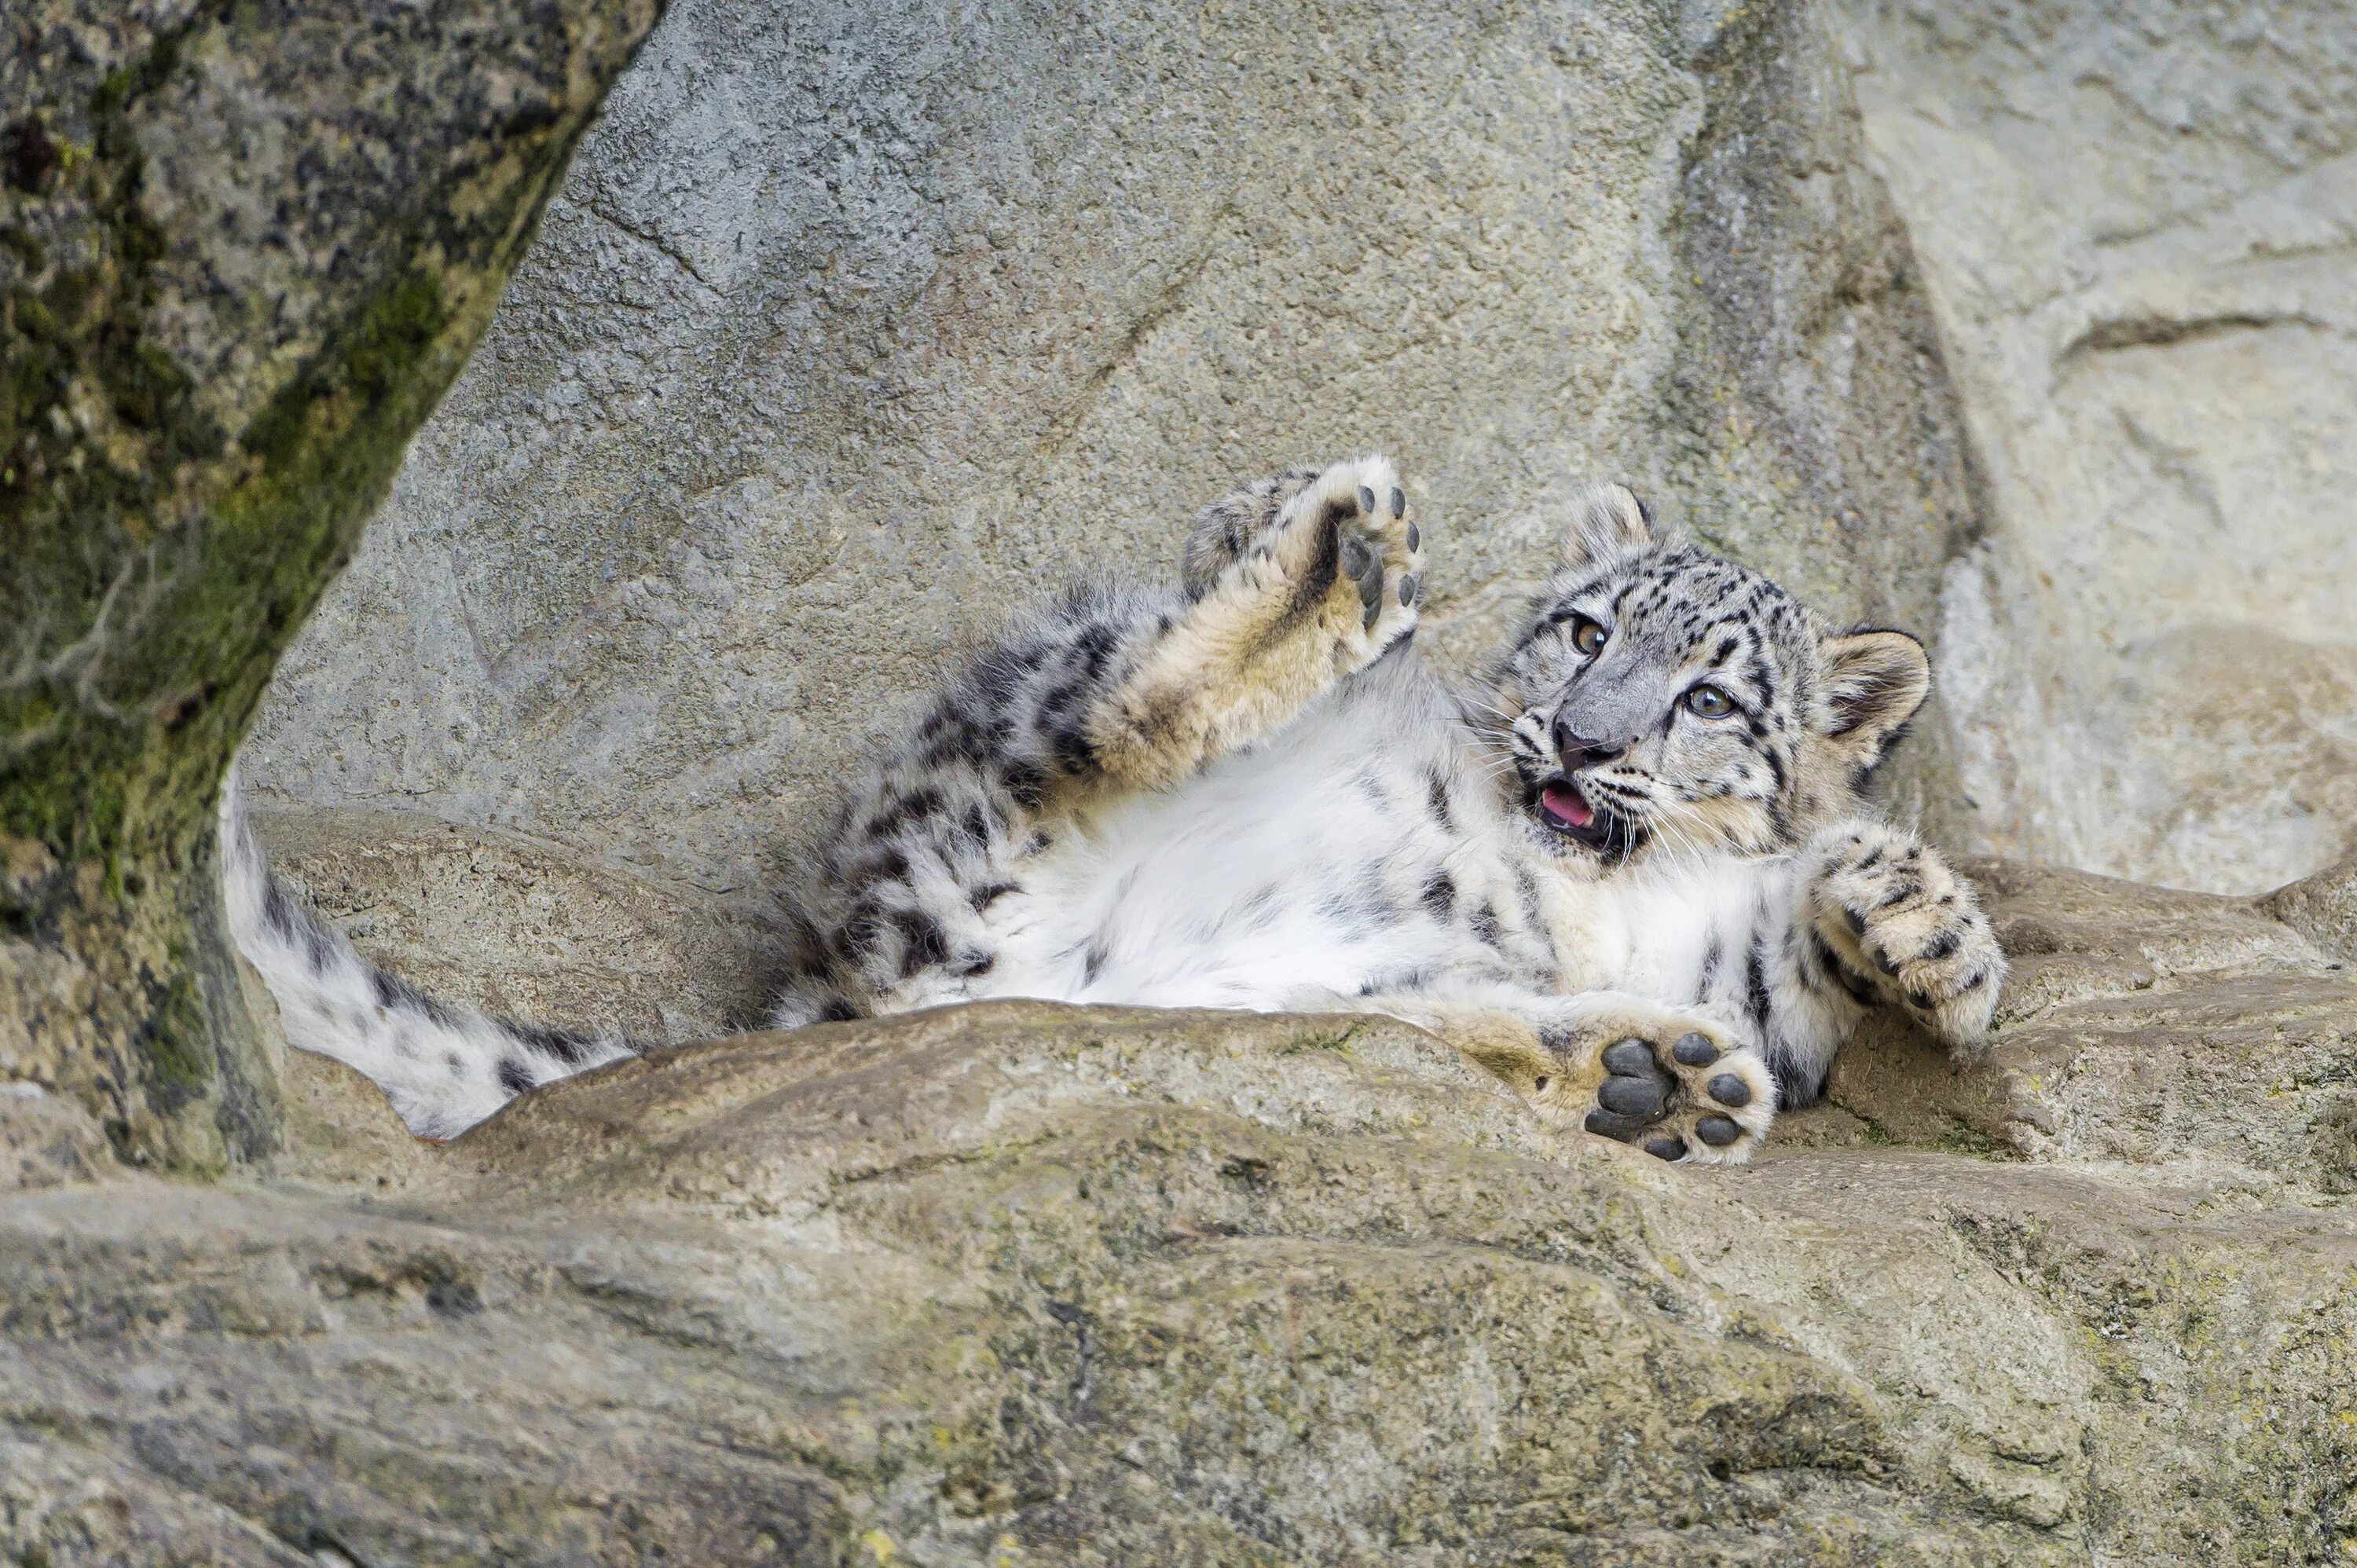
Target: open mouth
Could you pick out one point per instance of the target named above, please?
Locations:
(1568, 813)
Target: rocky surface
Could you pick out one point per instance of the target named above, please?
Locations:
(522, 928)
(243, 250)
(2137, 225)
(1029, 1285)
(853, 325)
(851, 330)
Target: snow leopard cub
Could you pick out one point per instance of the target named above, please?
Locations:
(1630, 873)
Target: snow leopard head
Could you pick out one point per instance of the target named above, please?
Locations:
(1662, 699)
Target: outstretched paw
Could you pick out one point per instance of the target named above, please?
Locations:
(1679, 1087)
(1900, 922)
(1341, 553)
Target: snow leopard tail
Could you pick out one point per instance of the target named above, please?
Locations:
(444, 1068)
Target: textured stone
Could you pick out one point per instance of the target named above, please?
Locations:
(2323, 906)
(855, 327)
(1020, 1283)
(243, 250)
(522, 931)
(2137, 223)
(2171, 1030)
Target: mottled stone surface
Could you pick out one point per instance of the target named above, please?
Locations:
(855, 327)
(2137, 225)
(1017, 1284)
(2323, 905)
(521, 930)
(243, 250)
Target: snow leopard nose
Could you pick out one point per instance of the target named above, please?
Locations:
(1580, 751)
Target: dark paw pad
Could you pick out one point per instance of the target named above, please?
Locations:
(1638, 1089)
(1694, 1051)
(1630, 1057)
(1667, 1147)
(1717, 1131)
(1729, 1090)
(1364, 565)
(1605, 1125)
(1633, 1096)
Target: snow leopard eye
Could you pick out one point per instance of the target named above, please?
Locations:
(1709, 702)
(1587, 635)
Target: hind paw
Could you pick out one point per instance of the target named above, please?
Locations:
(1346, 551)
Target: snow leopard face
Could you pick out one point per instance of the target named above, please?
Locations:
(1664, 700)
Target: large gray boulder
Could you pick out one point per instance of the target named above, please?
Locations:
(243, 250)
(856, 327)
(2139, 231)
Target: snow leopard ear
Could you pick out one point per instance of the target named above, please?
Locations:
(1874, 682)
(1606, 520)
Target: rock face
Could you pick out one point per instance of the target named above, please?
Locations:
(2135, 225)
(521, 929)
(243, 250)
(854, 329)
(853, 325)
(1026, 1285)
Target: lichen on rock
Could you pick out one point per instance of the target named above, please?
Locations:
(243, 250)
(1017, 1283)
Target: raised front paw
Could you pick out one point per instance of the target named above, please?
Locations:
(1345, 551)
(1677, 1085)
(1902, 923)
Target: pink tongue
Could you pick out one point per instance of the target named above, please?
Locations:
(1563, 803)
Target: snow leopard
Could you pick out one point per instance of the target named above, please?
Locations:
(1632, 870)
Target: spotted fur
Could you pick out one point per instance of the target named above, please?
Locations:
(444, 1068)
(1631, 872)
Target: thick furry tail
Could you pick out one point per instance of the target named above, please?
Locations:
(444, 1069)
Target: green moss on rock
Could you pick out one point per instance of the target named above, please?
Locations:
(185, 461)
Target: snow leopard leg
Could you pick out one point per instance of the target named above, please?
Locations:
(1892, 922)
(1293, 584)
(444, 1068)
(1110, 689)
(1678, 1085)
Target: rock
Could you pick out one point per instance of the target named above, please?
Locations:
(850, 332)
(243, 250)
(2134, 224)
(2170, 1030)
(520, 930)
(1027, 1283)
(2323, 907)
